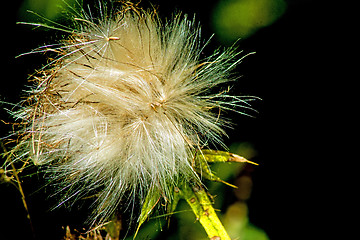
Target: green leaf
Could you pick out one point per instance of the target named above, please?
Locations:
(203, 169)
(151, 200)
(195, 195)
(213, 156)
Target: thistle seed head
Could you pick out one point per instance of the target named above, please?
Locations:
(125, 105)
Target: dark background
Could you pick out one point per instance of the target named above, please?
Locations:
(291, 72)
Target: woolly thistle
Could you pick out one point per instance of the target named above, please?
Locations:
(125, 106)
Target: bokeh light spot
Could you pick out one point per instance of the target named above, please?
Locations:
(234, 19)
(50, 9)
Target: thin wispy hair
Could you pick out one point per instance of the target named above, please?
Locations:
(125, 105)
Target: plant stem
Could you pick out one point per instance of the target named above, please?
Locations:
(201, 205)
(19, 187)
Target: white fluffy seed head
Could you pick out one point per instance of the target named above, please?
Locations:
(125, 106)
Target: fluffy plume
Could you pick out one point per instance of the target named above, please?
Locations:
(125, 105)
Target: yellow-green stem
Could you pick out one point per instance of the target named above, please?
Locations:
(202, 207)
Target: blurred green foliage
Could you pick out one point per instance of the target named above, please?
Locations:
(231, 19)
(50, 9)
(234, 19)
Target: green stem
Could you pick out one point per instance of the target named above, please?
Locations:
(202, 207)
(195, 195)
